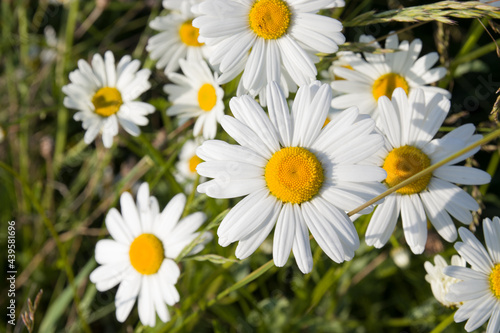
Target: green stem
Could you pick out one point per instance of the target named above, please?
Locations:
(492, 168)
(203, 306)
(22, 89)
(426, 171)
(62, 114)
(191, 196)
(60, 246)
(444, 324)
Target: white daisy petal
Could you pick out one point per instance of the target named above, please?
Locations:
(462, 175)
(229, 169)
(341, 223)
(473, 251)
(390, 121)
(492, 235)
(222, 151)
(468, 290)
(284, 235)
(494, 321)
(245, 136)
(301, 246)
(279, 113)
(126, 295)
(117, 227)
(383, 222)
(145, 303)
(109, 62)
(130, 214)
(225, 188)
(170, 294)
(323, 232)
(170, 215)
(414, 222)
(108, 251)
(481, 314)
(463, 273)
(249, 112)
(107, 276)
(235, 227)
(252, 241)
(439, 218)
(159, 304)
(467, 309)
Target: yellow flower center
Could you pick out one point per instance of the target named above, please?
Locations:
(385, 85)
(146, 254)
(193, 163)
(270, 19)
(207, 98)
(495, 280)
(327, 121)
(107, 101)
(294, 174)
(189, 34)
(402, 163)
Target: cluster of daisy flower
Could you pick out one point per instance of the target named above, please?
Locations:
(302, 166)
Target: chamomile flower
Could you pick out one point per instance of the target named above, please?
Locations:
(140, 257)
(409, 124)
(188, 161)
(479, 289)
(269, 40)
(294, 174)
(196, 94)
(379, 74)
(104, 95)
(440, 282)
(178, 38)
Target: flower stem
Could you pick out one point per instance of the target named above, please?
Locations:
(444, 324)
(495, 134)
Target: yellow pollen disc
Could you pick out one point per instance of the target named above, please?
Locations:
(385, 85)
(207, 98)
(270, 19)
(294, 174)
(146, 254)
(402, 163)
(189, 34)
(193, 163)
(495, 281)
(107, 101)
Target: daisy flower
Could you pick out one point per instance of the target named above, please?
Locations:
(188, 161)
(196, 94)
(479, 289)
(178, 38)
(379, 74)
(269, 40)
(294, 174)
(105, 94)
(440, 282)
(409, 124)
(140, 257)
